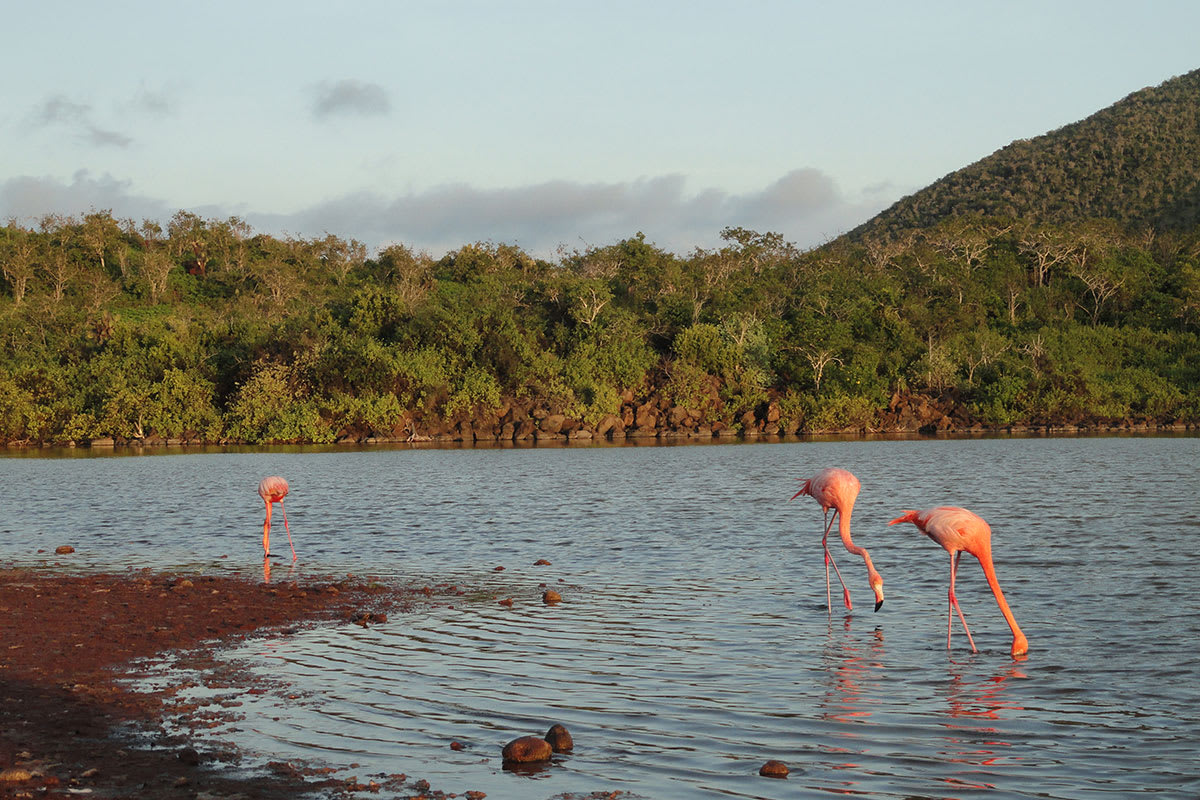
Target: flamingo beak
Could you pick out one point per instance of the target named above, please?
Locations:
(878, 604)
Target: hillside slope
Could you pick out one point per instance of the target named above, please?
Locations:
(1137, 162)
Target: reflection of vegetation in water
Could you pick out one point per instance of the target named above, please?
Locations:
(1056, 282)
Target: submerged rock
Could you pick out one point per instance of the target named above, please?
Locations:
(774, 769)
(559, 739)
(551, 597)
(526, 750)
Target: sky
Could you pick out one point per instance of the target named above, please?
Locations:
(548, 124)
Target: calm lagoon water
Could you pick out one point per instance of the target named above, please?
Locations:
(694, 643)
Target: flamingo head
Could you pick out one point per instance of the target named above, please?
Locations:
(1020, 644)
(876, 581)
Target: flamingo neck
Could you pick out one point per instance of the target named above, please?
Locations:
(844, 532)
(1020, 644)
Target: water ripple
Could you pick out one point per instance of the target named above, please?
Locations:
(693, 643)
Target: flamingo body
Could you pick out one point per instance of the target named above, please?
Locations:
(272, 490)
(960, 531)
(837, 489)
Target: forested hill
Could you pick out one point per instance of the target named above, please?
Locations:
(1054, 284)
(1136, 162)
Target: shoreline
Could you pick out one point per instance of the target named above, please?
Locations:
(69, 722)
(660, 439)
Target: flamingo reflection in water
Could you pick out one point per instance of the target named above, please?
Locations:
(976, 746)
(852, 677)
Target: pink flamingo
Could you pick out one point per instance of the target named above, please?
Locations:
(273, 490)
(837, 489)
(958, 530)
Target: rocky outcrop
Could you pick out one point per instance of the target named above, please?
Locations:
(654, 416)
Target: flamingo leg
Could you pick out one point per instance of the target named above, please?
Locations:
(289, 530)
(267, 532)
(825, 546)
(829, 560)
(954, 606)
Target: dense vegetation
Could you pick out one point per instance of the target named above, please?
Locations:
(207, 331)
(1055, 283)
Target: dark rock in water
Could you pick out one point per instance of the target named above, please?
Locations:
(456, 745)
(188, 756)
(551, 597)
(526, 750)
(541, 562)
(559, 739)
(774, 769)
(362, 618)
(508, 601)
(64, 549)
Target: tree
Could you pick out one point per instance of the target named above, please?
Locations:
(57, 267)
(819, 358)
(588, 298)
(1046, 248)
(340, 256)
(98, 232)
(979, 348)
(231, 240)
(17, 259)
(1092, 262)
(157, 266)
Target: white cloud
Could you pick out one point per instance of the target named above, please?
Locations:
(803, 205)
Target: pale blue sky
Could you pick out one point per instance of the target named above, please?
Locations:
(544, 123)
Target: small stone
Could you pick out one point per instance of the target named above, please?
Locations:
(65, 549)
(541, 562)
(498, 569)
(551, 597)
(526, 750)
(508, 601)
(188, 756)
(559, 739)
(90, 773)
(18, 775)
(474, 795)
(774, 769)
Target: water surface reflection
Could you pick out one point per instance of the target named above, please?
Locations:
(693, 643)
